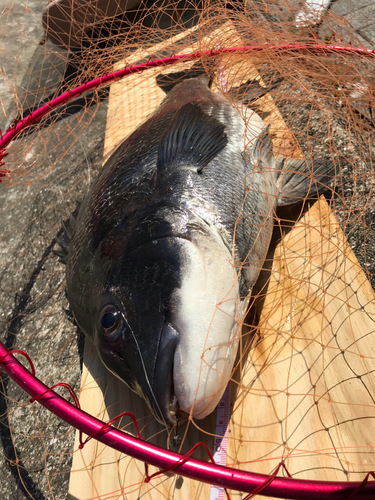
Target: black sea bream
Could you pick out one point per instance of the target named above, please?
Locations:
(154, 274)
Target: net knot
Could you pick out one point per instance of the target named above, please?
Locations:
(106, 427)
(2, 360)
(268, 481)
(59, 384)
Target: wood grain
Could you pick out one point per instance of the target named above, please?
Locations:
(307, 388)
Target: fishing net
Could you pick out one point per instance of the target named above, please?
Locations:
(302, 390)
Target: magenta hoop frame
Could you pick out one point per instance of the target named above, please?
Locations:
(294, 489)
(280, 487)
(36, 115)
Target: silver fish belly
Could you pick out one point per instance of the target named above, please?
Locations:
(169, 242)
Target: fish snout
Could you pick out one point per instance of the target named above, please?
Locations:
(165, 402)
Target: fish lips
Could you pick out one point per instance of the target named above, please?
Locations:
(164, 401)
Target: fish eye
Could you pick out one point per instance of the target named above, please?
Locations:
(110, 320)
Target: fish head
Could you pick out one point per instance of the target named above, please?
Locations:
(132, 331)
(180, 333)
(161, 310)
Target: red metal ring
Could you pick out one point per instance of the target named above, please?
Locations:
(36, 115)
(280, 487)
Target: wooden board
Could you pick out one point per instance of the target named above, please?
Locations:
(306, 392)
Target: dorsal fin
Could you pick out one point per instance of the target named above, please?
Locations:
(193, 137)
(65, 235)
(262, 150)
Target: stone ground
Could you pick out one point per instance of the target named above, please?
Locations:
(33, 312)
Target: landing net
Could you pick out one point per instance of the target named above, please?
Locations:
(302, 392)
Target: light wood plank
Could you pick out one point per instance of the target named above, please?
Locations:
(308, 387)
(306, 393)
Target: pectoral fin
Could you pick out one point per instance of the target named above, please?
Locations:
(193, 138)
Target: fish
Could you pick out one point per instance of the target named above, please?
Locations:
(164, 250)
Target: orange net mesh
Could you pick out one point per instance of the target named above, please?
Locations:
(303, 386)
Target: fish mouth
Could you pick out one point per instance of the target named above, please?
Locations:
(165, 402)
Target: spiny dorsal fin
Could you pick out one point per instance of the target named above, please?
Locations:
(65, 235)
(193, 137)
